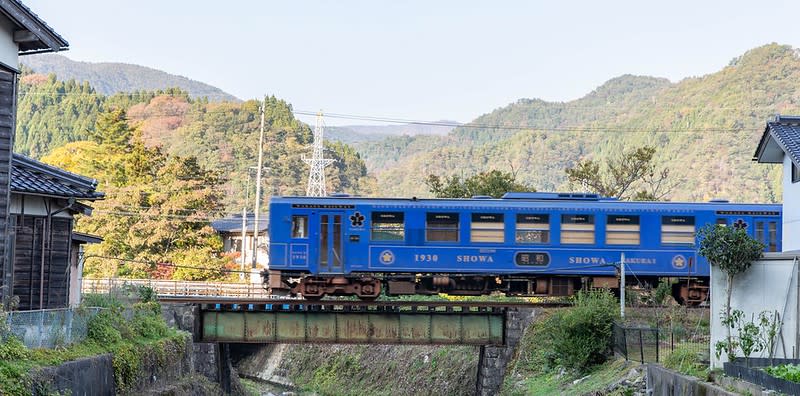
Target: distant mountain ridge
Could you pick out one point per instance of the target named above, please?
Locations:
(109, 78)
(705, 130)
(366, 133)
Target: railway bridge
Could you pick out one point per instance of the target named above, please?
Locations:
(496, 327)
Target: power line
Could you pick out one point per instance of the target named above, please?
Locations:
(515, 127)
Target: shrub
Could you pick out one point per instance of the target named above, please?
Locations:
(126, 366)
(789, 372)
(102, 328)
(581, 336)
(13, 349)
(147, 321)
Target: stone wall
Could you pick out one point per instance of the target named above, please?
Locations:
(494, 359)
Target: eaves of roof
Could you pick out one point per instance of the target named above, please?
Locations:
(42, 38)
(783, 134)
(29, 176)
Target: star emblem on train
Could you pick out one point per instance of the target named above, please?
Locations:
(357, 219)
(387, 257)
(740, 224)
(679, 262)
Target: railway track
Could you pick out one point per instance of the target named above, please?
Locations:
(284, 304)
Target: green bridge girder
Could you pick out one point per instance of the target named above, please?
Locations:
(481, 328)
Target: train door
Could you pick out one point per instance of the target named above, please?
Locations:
(766, 232)
(330, 243)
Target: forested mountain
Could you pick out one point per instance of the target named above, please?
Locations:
(704, 128)
(109, 78)
(364, 133)
(222, 136)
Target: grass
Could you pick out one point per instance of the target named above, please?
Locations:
(552, 383)
(688, 359)
(144, 338)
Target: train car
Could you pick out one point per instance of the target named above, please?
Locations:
(524, 244)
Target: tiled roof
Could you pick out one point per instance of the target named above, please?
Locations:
(783, 134)
(42, 38)
(233, 224)
(29, 176)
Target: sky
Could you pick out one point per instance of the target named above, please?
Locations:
(420, 60)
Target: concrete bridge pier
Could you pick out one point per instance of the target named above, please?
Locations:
(493, 360)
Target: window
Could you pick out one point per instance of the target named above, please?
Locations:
(795, 173)
(533, 228)
(577, 228)
(441, 227)
(388, 226)
(487, 227)
(772, 231)
(759, 231)
(622, 230)
(300, 226)
(677, 230)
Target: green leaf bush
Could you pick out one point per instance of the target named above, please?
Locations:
(789, 372)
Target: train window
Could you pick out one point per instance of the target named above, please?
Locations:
(760, 231)
(577, 228)
(622, 230)
(441, 227)
(299, 226)
(773, 236)
(487, 227)
(533, 228)
(388, 226)
(677, 230)
(722, 222)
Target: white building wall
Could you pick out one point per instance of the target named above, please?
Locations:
(34, 205)
(9, 50)
(769, 285)
(791, 208)
(230, 240)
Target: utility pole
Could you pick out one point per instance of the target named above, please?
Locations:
(244, 239)
(258, 185)
(622, 285)
(244, 224)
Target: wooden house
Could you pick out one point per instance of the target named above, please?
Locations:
(21, 32)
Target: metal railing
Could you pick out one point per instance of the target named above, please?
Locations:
(50, 328)
(652, 344)
(179, 288)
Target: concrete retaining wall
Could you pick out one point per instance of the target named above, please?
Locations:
(663, 382)
(95, 375)
(89, 376)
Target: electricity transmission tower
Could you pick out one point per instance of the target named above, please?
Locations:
(317, 163)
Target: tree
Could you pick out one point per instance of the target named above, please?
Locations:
(494, 183)
(112, 129)
(631, 176)
(733, 251)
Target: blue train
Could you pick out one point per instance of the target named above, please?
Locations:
(523, 244)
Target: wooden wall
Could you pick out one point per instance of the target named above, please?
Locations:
(33, 241)
(8, 103)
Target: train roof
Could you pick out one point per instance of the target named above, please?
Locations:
(521, 201)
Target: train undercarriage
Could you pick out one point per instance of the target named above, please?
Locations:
(686, 291)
